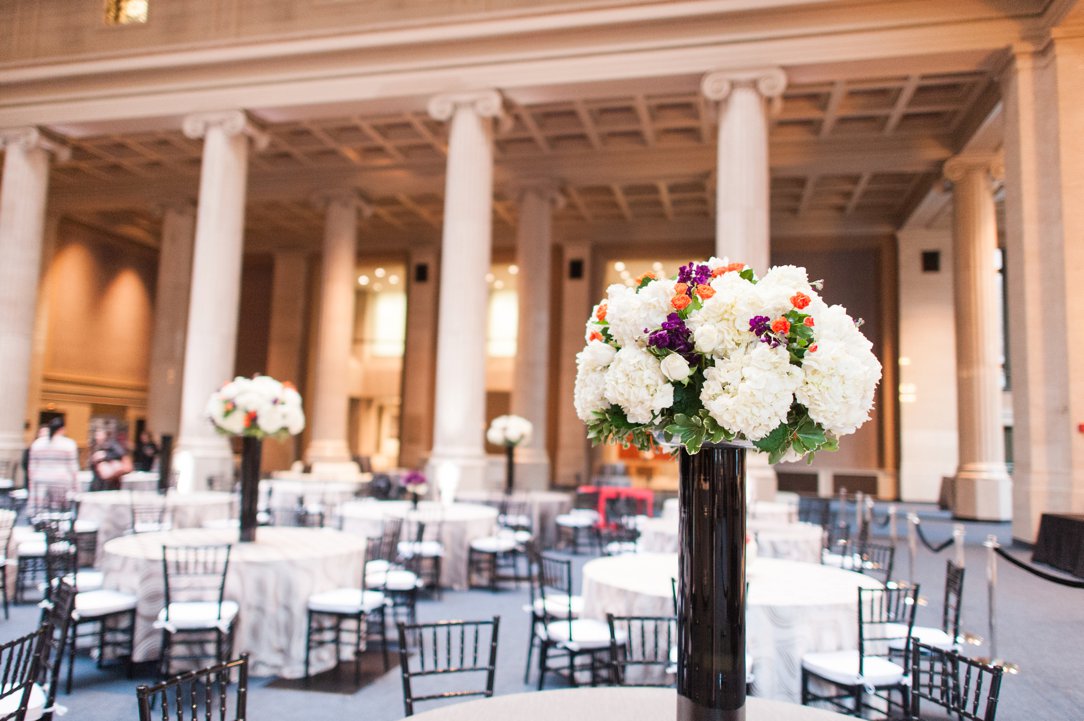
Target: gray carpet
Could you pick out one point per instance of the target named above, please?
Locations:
(1040, 628)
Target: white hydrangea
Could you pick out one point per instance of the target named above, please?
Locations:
(509, 431)
(629, 312)
(274, 407)
(723, 321)
(751, 390)
(635, 382)
(589, 392)
(833, 323)
(839, 380)
(778, 286)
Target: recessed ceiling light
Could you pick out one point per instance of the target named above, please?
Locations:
(498, 284)
(619, 266)
(489, 277)
(393, 279)
(363, 280)
(513, 269)
(379, 272)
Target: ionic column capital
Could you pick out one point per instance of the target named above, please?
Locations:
(546, 188)
(484, 103)
(31, 138)
(321, 199)
(958, 167)
(770, 82)
(231, 122)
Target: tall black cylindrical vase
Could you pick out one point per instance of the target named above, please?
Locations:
(165, 463)
(510, 471)
(251, 450)
(711, 584)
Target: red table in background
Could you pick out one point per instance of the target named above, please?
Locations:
(644, 497)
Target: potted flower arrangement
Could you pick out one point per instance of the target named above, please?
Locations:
(715, 361)
(509, 432)
(415, 484)
(255, 408)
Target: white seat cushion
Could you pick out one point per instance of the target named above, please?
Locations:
(587, 634)
(377, 565)
(196, 615)
(494, 544)
(514, 521)
(425, 549)
(925, 634)
(575, 520)
(558, 606)
(842, 667)
(9, 703)
(620, 548)
(82, 526)
(394, 580)
(151, 527)
(103, 602)
(89, 580)
(31, 549)
(346, 601)
(849, 562)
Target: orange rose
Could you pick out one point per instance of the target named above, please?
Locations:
(645, 276)
(680, 302)
(808, 321)
(724, 269)
(813, 348)
(705, 291)
(595, 335)
(600, 314)
(681, 288)
(781, 325)
(250, 419)
(799, 300)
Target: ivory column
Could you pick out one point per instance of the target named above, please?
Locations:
(286, 340)
(22, 226)
(416, 411)
(330, 398)
(742, 172)
(215, 290)
(530, 399)
(459, 423)
(170, 318)
(573, 463)
(983, 486)
(742, 187)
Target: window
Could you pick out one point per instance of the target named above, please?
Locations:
(387, 319)
(503, 323)
(126, 12)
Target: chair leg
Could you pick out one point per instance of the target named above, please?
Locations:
(530, 652)
(572, 669)
(357, 650)
(542, 652)
(805, 687)
(383, 639)
(73, 631)
(858, 701)
(131, 643)
(308, 646)
(4, 588)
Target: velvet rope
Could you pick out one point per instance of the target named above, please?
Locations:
(1036, 572)
(927, 544)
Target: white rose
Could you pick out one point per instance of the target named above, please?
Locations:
(598, 354)
(706, 339)
(675, 367)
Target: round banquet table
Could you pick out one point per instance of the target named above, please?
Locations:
(285, 493)
(271, 579)
(545, 507)
(773, 512)
(792, 609)
(112, 510)
(459, 523)
(624, 703)
(788, 541)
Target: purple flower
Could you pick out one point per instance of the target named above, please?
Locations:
(674, 335)
(412, 478)
(693, 274)
(761, 326)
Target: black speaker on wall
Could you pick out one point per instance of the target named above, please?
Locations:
(931, 261)
(421, 273)
(575, 269)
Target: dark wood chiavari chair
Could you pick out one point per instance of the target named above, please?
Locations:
(439, 650)
(202, 694)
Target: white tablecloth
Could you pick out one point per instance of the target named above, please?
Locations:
(271, 579)
(789, 541)
(284, 493)
(459, 524)
(792, 609)
(545, 507)
(773, 512)
(625, 704)
(112, 510)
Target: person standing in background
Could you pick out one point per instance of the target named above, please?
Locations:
(146, 451)
(53, 462)
(109, 460)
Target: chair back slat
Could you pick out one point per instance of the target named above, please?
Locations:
(195, 573)
(877, 560)
(881, 613)
(963, 687)
(443, 649)
(640, 648)
(204, 693)
(21, 661)
(954, 589)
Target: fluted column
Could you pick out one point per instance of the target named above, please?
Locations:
(419, 353)
(23, 197)
(983, 487)
(286, 339)
(330, 398)
(530, 397)
(210, 342)
(170, 318)
(742, 188)
(459, 423)
(742, 173)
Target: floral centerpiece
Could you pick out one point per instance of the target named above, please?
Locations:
(255, 408)
(509, 432)
(416, 484)
(717, 355)
(712, 361)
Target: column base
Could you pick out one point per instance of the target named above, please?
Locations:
(197, 459)
(328, 451)
(983, 492)
(532, 470)
(471, 469)
(760, 479)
